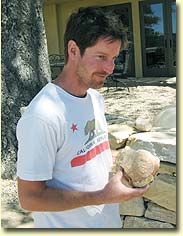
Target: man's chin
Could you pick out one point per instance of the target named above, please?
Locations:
(97, 85)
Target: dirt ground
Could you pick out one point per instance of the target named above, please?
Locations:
(150, 96)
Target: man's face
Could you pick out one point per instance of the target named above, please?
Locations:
(97, 63)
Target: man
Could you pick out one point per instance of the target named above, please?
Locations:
(64, 157)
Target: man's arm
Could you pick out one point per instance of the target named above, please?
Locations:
(36, 196)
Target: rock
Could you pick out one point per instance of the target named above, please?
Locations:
(141, 222)
(167, 168)
(122, 220)
(143, 123)
(118, 135)
(166, 118)
(139, 166)
(159, 213)
(133, 207)
(163, 191)
(115, 142)
(161, 144)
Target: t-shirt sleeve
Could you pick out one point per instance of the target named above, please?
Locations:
(100, 99)
(37, 147)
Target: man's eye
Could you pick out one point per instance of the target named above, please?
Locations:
(102, 57)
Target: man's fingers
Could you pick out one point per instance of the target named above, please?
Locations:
(139, 191)
(119, 174)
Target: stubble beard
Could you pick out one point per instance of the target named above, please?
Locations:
(96, 84)
(92, 82)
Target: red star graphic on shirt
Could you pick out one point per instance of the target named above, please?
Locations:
(74, 127)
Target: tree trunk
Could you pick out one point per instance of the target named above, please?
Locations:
(25, 69)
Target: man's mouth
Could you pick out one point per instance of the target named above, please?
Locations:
(102, 75)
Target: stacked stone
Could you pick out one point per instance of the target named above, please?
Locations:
(157, 208)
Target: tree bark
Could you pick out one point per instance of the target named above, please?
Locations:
(25, 69)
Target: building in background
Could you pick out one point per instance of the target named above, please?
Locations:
(151, 26)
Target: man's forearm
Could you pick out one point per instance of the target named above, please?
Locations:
(36, 196)
(59, 200)
(52, 199)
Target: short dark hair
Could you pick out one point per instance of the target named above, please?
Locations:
(89, 24)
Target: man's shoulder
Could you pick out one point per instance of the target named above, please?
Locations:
(94, 92)
(44, 105)
(97, 98)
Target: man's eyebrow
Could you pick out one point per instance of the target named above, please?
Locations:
(100, 52)
(106, 54)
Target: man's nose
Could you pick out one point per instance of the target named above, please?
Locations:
(109, 67)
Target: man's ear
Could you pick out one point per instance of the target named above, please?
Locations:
(73, 50)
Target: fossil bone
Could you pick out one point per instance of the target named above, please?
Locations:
(139, 166)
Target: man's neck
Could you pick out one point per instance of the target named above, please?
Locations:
(68, 82)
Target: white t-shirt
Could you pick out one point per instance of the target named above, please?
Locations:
(63, 140)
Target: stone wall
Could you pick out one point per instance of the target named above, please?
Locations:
(157, 209)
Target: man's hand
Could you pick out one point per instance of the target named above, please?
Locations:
(116, 191)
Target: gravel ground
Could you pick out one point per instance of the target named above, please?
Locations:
(127, 106)
(148, 98)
